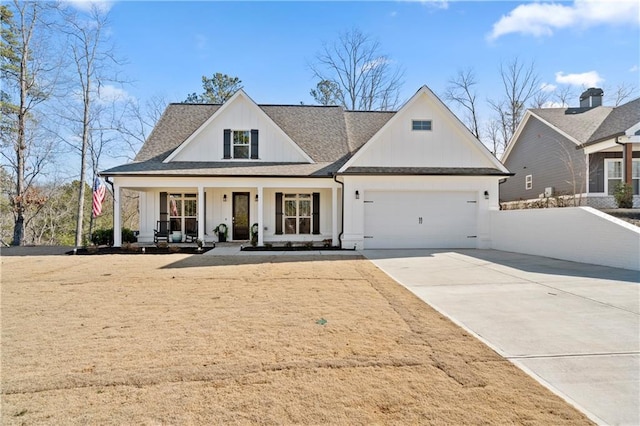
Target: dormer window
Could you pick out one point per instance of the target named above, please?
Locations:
(240, 144)
(421, 125)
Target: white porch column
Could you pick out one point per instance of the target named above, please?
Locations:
(117, 226)
(260, 216)
(334, 216)
(201, 213)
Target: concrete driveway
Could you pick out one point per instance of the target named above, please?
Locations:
(574, 327)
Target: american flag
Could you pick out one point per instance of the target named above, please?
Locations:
(99, 190)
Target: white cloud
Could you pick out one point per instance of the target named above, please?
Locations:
(86, 5)
(548, 87)
(108, 93)
(634, 68)
(585, 79)
(542, 19)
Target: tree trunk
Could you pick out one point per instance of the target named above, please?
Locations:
(83, 160)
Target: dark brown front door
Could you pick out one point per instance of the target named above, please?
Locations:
(240, 216)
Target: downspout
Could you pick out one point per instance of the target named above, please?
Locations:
(335, 178)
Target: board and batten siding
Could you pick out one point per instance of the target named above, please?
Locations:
(447, 144)
(208, 144)
(548, 157)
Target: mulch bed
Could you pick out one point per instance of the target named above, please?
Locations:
(139, 250)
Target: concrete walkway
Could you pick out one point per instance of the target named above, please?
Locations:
(574, 327)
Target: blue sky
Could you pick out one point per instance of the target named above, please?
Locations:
(168, 46)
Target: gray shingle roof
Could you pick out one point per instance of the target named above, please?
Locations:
(328, 134)
(580, 126)
(620, 119)
(594, 124)
(176, 124)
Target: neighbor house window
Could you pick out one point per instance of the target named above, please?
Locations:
(421, 125)
(528, 182)
(613, 170)
(241, 143)
(297, 213)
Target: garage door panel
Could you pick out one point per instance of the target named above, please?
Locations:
(412, 219)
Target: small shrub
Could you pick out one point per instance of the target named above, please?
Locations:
(269, 246)
(327, 242)
(174, 249)
(288, 244)
(308, 244)
(623, 194)
(162, 244)
(104, 237)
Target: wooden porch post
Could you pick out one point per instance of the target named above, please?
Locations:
(628, 163)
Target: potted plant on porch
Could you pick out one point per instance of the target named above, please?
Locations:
(221, 231)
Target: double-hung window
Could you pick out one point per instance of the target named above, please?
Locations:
(614, 171)
(297, 213)
(241, 143)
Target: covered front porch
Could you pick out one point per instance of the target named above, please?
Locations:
(610, 163)
(185, 209)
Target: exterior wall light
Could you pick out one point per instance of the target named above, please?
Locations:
(486, 195)
(256, 198)
(357, 194)
(224, 198)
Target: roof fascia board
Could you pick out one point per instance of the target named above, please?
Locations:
(600, 146)
(631, 131)
(231, 100)
(516, 135)
(424, 90)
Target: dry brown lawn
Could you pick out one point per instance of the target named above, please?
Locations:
(179, 339)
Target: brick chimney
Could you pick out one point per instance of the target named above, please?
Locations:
(591, 98)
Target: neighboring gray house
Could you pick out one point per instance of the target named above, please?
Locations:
(583, 151)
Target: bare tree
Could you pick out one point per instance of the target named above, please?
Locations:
(565, 96)
(521, 84)
(493, 137)
(92, 58)
(622, 92)
(461, 90)
(136, 121)
(366, 78)
(28, 71)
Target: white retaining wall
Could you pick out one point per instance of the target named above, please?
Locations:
(579, 234)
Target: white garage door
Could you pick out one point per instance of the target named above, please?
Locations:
(408, 219)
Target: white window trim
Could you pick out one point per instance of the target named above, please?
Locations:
(421, 120)
(528, 182)
(233, 145)
(608, 162)
(297, 216)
